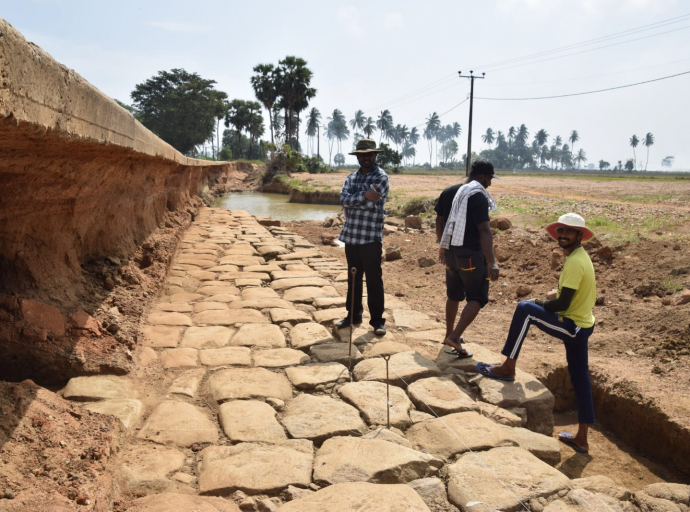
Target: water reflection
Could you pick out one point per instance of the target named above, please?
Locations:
(275, 206)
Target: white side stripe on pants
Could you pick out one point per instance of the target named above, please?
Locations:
(521, 337)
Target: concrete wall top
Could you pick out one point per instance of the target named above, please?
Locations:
(36, 89)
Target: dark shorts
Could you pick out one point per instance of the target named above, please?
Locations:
(466, 275)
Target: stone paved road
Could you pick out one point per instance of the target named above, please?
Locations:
(243, 393)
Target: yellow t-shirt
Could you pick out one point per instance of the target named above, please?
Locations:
(578, 274)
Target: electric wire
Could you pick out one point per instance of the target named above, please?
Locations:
(585, 92)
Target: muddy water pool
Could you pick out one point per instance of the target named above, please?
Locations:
(276, 206)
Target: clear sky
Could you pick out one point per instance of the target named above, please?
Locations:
(404, 56)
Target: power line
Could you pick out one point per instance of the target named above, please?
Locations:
(600, 39)
(452, 108)
(586, 92)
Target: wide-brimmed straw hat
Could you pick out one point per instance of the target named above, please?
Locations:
(366, 146)
(572, 220)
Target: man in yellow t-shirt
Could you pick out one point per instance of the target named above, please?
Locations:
(568, 317)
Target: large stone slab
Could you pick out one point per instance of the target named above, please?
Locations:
(162, 336)
(288, 274)
(320, 417)
(255, 468)
(480, 353)
(241, 260)
(458, 433)
(271, 251)
(327, 302)
(259, 335)
(262, 304)
(299, 255)
(250, 421)
(404, 369)
(360, 497)
(241, 249)
(309, 293)
(284, 284)
(291, 316)
(210, 305)
(207, 337)
(335, 352)
(327, 316)
(385, 348)
(279, 357)
(411, 320)
(248, 383)
(233, 276)
(580, 500)
(370, 399)
(179, 357)
(185, 297)
(303, 336)
(177, 307)
(187, 383)
(233, 356)
(352, 459)
(526, 392)
(178, 423)
(316, 375)
(543, 447)
(127, 411)
(145, 468)
(525, 476)
(232, 317)
(98, 387)
(166, 502)
(440, 395)
(259, 293)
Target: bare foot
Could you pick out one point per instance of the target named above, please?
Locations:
(574, 442)
(457, 345)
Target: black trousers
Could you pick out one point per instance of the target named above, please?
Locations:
(366, 258)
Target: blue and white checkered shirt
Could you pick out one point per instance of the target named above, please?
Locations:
(363, 218)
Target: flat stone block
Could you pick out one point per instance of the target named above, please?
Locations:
(127, 411)
(248, 282)
(248, 383)
(259, 335)
(299, 255)
(169, 501)
(250, 421)
(370, 399)
(261, 304)
(385, 348)
(187, 383)
(185, 297)
(279, 357)
(352, 459)
(233, 356)
(404, 369)
(210, 305)
(145, 468)
(218, 288)
(411, 320)
(320, 417)
(176, 307)
(320, 374)
(259, 293)
(303, 336)
(360, 496)
(178, 357)
(327, 302)
(288, 274)
(335, 352)
(525, 476)
(284, 284)
(255, 468)
(221, 297)
(232, 317)
(207, 337)
(178, 423)
(291, 316)
(98, 387)
(162, 336)
(440, 395)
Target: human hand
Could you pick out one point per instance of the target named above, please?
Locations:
(372, 194)
(441, 255)
(493, 272)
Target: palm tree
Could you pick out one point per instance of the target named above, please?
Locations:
(433, 124)
(339, 127)
(553, 155)
(293, 78)
(541, 137)
(511, 135)
(313, 125)
(264, 85)
(566, 157)
(369, 127)
(429, 136)
(358, 121)
(489, 137)
(558, 141)
(384, 123)
(574, 137)
(634, 141)
(581, 157)
(648, 141)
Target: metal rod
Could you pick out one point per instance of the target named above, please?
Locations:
(353, 272)
(388, 394)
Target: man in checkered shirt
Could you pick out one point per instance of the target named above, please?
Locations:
(363, 196)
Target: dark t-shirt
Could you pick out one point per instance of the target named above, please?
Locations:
(477, 212)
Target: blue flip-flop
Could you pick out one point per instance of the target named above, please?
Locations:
(567, 438)
(489, 374)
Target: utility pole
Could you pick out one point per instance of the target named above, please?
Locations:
(469, 132)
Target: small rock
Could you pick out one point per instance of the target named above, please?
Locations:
(676, 247)
(683, 298)
(295, 493)
(600, 300)
(605, 253)
(426, 261)
(393, 253)
(8, 494)
(267, 505)
(413, 221)
(523, 290)
(248, 504)
(556, 259)
(109, 284)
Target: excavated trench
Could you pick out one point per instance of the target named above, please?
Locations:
(623, 411)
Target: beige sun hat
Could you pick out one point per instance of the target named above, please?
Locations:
(572, 220)
(365, 146)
